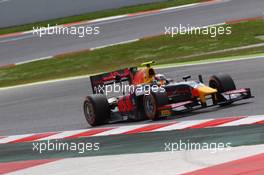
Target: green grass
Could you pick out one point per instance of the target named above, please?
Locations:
(99, 14)
(163, 49)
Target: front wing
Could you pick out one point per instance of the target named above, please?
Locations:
(227, 98)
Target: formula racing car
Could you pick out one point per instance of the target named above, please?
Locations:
(148, 95)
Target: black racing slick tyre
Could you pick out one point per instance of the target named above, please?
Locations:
(96, 109)
(222, 83)
(152, 102)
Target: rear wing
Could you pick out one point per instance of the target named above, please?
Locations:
(99, 81)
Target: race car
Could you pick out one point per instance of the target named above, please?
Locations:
(153, 96)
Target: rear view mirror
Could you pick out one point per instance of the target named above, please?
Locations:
(185, 78)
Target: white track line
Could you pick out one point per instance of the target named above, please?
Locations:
(121, 129)
(107, 18)
(182, 125)
(243, 121)
(13, 138)
(108, 45)
(33, 60)
(181, 7)
(208, 62)
(63, 134)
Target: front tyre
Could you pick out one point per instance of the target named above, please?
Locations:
(223, 83)
(96, 109)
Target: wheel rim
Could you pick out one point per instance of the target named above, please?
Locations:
(89, 112)
(150, 106)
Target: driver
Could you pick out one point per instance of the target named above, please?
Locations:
(160, 79)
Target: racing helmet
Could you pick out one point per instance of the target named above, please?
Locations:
(161, 79)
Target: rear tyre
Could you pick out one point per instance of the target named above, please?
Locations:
(222, 83)
(152, 102)
(96, 109)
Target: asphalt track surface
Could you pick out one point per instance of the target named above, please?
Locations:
(28, 47)
(58, 106)
(52, 9)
